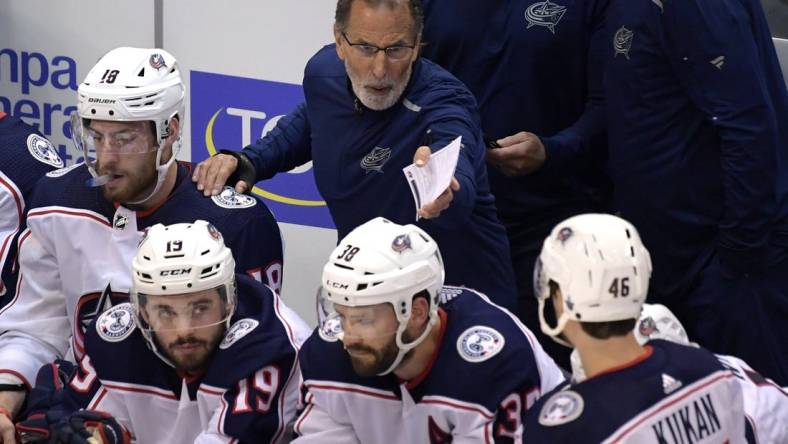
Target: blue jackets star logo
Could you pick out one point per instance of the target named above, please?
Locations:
(375, 160)
(89, 307)
(546, 14)
(401, 243)
(622, 41)
(104, 302)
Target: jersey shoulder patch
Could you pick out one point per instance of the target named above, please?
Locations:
(330, 329)
(238, 330)
(479, 343)
(63, 171)
(117, 323)
(43, 150)
(563, 407)
(228, 198)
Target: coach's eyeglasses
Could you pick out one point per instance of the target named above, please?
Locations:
(394, 52)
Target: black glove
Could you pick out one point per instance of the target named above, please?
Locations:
(243, 171)
(85, 424)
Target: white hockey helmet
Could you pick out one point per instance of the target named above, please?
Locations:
(180, 259)
(601, 267)
(383, 262)
(131, 84)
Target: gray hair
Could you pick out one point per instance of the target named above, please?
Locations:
(414, 6)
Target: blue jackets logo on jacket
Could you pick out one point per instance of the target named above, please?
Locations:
(622, 41)
(375, 160)
(545, 13)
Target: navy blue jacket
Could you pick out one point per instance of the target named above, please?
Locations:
(698, 128)
(359, 154)
(533, 66)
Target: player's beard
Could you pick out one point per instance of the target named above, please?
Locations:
(373, 101)
(139, 184)
(374, 361)
(198, 359)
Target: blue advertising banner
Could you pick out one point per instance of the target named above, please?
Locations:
(229, 112)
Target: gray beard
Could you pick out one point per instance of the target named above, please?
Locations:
(377, 103)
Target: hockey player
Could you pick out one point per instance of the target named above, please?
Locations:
(388, 364)
(26, 156)
(696, 118)
(765, 403)
(85, 222)
(372, 107)
(593, 276)
(187, 360)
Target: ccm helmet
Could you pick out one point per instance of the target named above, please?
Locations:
(383, 262)
(179, 259)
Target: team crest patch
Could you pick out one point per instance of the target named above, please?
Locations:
(546, 14)
(401, 243)
(561, 408)
(214, 232)
(375, 160)
(237, 331)
(564, 234)
(647, 326)
(330, 329)
(479, 343)
(157, 61)
(228, 198)
(44, 151)
(62, 171)
(117, 323)
(622, 41)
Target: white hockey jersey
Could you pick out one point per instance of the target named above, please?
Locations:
(25, 156)
(249, 393)
(487, 371)
(78, 244)
(765, 403)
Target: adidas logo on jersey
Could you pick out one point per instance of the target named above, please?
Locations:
(670, 384)
(446, 294)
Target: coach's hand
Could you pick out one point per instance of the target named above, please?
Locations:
(10, 403)
(213, 173)
(518, 155)
(433, 209)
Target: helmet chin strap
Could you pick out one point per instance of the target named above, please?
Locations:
(405, 348)
(554, 332)
(161, 171)
(149, 340)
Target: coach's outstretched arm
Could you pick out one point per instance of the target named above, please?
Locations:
(284, 148)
